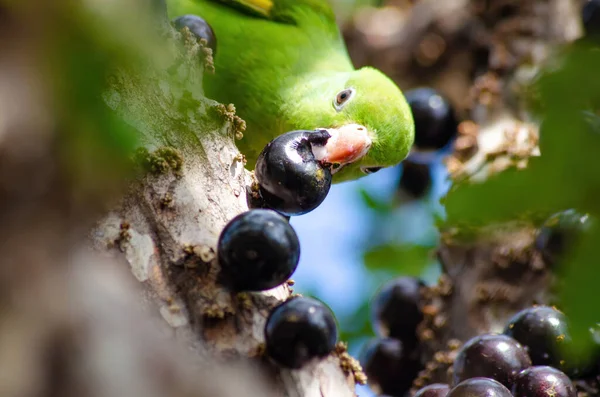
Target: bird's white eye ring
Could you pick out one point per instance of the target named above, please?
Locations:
(342, 98)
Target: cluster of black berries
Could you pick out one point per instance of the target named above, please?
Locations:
(532, 357)
(259, 250)
(392, 360)
(436, 127)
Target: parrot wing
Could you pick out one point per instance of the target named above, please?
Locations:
(284, 11)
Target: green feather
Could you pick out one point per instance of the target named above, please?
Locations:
(282, 63)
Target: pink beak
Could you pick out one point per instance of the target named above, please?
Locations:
(346, 145)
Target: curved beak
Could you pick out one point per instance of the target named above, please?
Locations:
(346, 145)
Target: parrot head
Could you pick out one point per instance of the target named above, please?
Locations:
(367, 116)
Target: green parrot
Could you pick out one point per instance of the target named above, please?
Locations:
(284, 65)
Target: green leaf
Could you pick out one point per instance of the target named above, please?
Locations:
(373, 203)
(357, 325)
(410, 260)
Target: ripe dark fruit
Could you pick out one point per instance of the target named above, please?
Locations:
(434, 390)
(591, 18)
(258, 250)
(395, 310)
(255, 201)
(291, 180)
(300, 330)
(479, 387)
(559, 234)
(435, 121)
(389, 367)
(199, 28)
(543, 381)
(492, 356)
(543, 331)
(415, 180)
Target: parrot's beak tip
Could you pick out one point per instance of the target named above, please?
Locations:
(346, 145)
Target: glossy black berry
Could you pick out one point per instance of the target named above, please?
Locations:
(559, 234)
(544, 332)
(433, 390)
(480, 387)
(300, 330)
(396, 310)
(199, 28)
(389, 367)
(291, 180)
(258, 250)
(591, 18)
(415, 180)
(435, 122)
(543, 381)
(499, 357)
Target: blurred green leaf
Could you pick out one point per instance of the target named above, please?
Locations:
(357, 325)
(411, 260)
(375, 204)
(78, 46)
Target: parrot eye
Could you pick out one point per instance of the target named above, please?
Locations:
(342, 98)
(370, 170)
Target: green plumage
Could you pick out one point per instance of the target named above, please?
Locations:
(282, 63)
